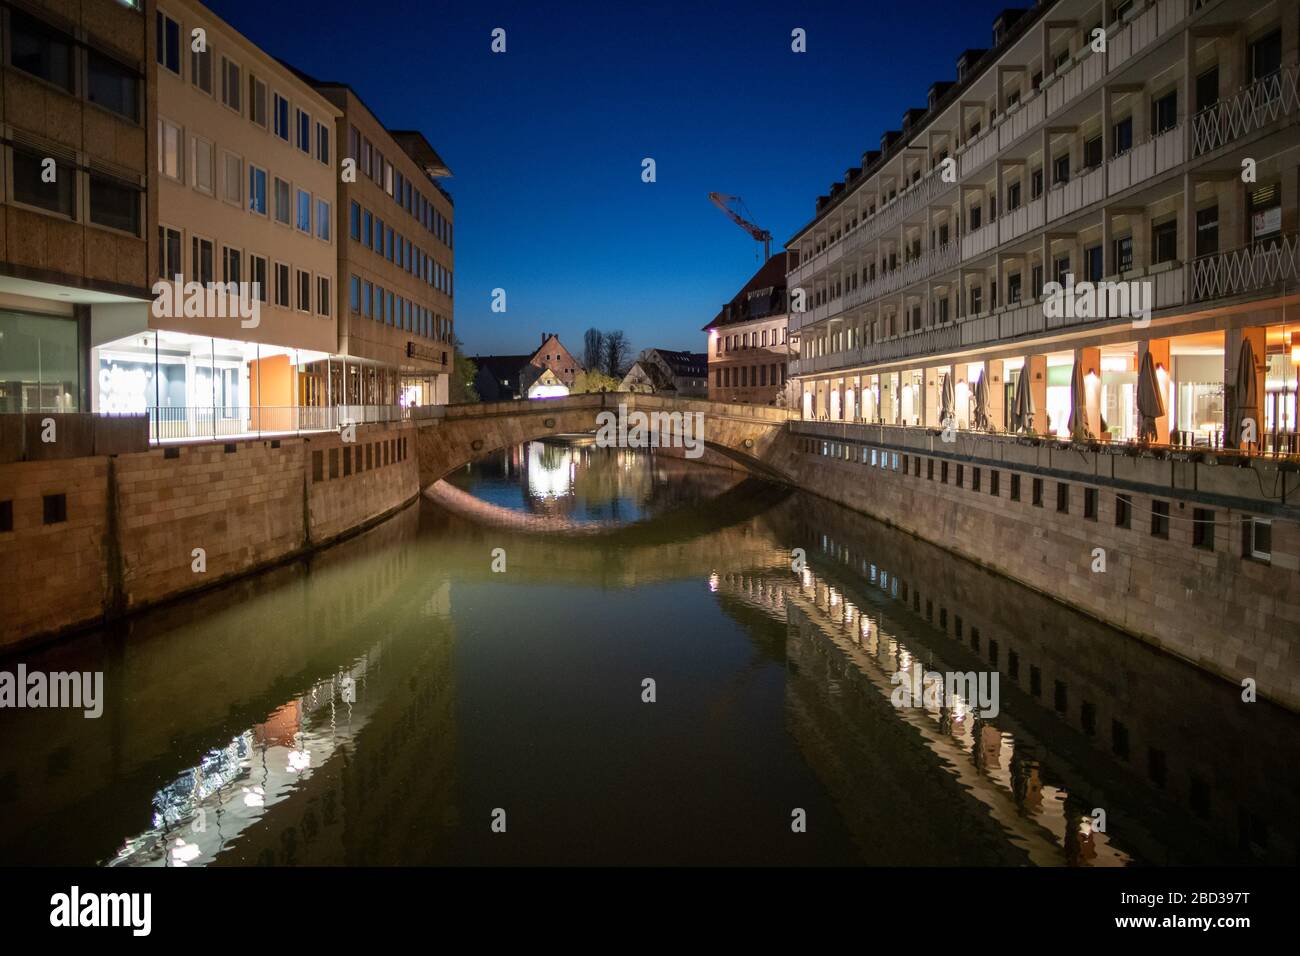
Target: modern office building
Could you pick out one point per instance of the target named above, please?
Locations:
(749, 346)
(243, 155)
(74, 217)
(1150, 143)
(396, 234)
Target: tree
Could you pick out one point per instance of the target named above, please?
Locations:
(461, 388)
(594, 381)
(593, 349)
(617, 352)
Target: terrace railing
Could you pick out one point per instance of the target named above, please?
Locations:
(1267, 263)
(1260, 103)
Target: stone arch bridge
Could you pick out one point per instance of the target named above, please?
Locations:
(751, 437)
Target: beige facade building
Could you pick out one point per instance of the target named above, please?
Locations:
(243, 155)
(395, 260)
(75, 97)
(749, 345)
(1151, 144)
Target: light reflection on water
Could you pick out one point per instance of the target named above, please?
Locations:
(375, 704)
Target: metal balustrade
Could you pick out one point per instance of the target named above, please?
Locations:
(196, 422)
(1262, 102)
(1142, 29)
(1272, 262)
(1157, 155)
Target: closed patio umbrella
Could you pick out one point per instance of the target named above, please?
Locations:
(982, 401)
(1078, 404)
(947, 400)
(1245, 396)
(1022, 405)
(1151, 404)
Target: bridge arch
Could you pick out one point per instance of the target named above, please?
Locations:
(753, 437)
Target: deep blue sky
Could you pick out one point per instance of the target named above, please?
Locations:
(546, 141)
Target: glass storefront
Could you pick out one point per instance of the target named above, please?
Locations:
(40, 368)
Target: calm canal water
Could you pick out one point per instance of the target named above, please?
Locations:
(381, 703)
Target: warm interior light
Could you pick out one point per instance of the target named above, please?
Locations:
(1295, 350)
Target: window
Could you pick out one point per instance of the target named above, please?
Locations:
(304, 131)
(1160, 519)
(1266, 56)
(1013, 196)
(1203, 528)
(1036, 183)
(1122, 136)
(304, 291)
(233, 186)
(323, 220)
(257, 101)
(1061, 169)
(367, 229)
(113, 86)
(354, 221)
(59, 196)
(282, 285)
(1038, 493)
(201, 260)
(201, 69)
(114, 203)
(1060, 268)
(995, 483)
(55, 508)
(1123, 252)
(1164, 241)
(1090, 503)
(231, 259)
(323, 295)
(169, 252)
(203, 175)
(1207, 88)
(303, 221)
(1258, 538)
(282, 206)
(1123, 511)
(257, 276)
(354, 293)
(367, 294)
(41, 50)
(1092, 263)
(323, 143)
(6, 516)
(232, 85)
(167, 40)
(256, 190)
(281, 116)
(1062, 497)
(975, 479)
(1164, 112)
(1207, 230)
(169, 149)
(1092, 153)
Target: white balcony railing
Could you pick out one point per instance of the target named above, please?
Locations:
(980, 241)
(1254, 107)
(1155, 156)
(1143, 29)
(1269, 263)
(1019, 221)
(1021, 120)
(978, 153)
(1083, 190)
(180, 422)
(1077, 80)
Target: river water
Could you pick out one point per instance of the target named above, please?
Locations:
(584, 655)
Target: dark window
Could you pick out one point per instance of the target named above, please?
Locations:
(1119, 739)
(317, 466)
(943, 472)
(1092, 154)
(1013, 665)
(347, 461)
(1038, 493)
(1160, 519)
(6, 516)
(961, 476)
(1123, 253)
(929, 469)
(1207, 230)
(40, 50)
(168, 42)
(59, 196)
(995, 483)
(1164, 241)
(1164, 112)
(1123, 511)
(56, 508)
(1015, 487)
(1122, 136)
(113, 86)
(1092, 263)
(975, 638)
(334, 462)
(1207, 88)
(1203, 528)
(114, 204)
(1266, 56)
(1090, 503)
(993, 653)
(1062, 698)
(1062, 497)
(1036, 183)
(1035, 681)
(1088, 717)
(1061, 169)
(975, 479)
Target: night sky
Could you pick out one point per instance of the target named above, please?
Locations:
(546, 141)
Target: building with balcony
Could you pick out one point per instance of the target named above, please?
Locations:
(243, 157)
(396, 269)
(1152, 143)
(75, 104)
(749, 346)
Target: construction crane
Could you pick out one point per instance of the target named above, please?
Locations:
(732, 206)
